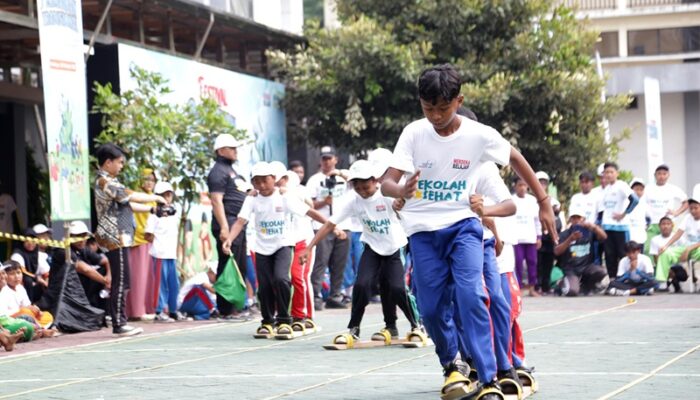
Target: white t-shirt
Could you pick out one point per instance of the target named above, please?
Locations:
(644, 264)
(164, 230)
(491, 186)
(662, 199)
(11, 300)
(43, 266)
(381, 229)
(317, 191)
(587, 203)
(447, 166)
(527, 219)
(657, 242)
(271, 220)
(506, 261)
(198, 279)
(691, 230)
(300, 225)
(638, 221)
(7, 207)
(615, 200)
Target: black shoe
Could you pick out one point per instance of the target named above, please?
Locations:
(510, 382)
(355, 332)
(126, 330)
(394, 331)
(318, 304)
(346, 299)
(491, 391)
(332, 303)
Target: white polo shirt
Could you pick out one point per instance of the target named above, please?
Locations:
(662, 199)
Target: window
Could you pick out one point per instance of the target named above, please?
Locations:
(608, 44)
(663, 41)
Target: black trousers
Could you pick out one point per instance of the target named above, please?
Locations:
(614, 250)
(119, 267)
(275, 285)
(331, 252)
(238, 250)
(388, 270)
(545, 262)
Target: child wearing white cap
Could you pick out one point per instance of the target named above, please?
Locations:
(161, 230)
(381, 260)
(197, 296)
(273, 246)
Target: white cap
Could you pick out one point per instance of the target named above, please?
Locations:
(381, 158)
(226, 140)
(577, 211)
(292, 179)
(213, 266)
(541, 175)
(361, 169)
(601, 169)
(262, 168)
(279, 169)
(41, 228)
(162, 187)
(79, 228)
(636, 180)
(696, 194)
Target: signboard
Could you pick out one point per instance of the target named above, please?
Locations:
(652, 111)
(65, 105)
(250, 103)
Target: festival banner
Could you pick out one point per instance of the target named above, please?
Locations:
(65, 107)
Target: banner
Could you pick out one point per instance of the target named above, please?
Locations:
(65, 106)
(652, 110)
(249, 102)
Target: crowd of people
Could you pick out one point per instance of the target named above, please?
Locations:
(431, 228)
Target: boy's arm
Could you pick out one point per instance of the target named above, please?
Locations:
(502, 209)
(684, 206)
(233, 233)
(524, 170)
(327, 228)
(316, 216)
(688, 250)
(391, 187)
(677, 235)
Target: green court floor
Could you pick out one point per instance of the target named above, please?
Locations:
(582, 348)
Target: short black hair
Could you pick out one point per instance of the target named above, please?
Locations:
(665, 218)
(662, 167)
(295, 164)
(466, 112)
(611, 164)
(108, 151)
(439, 82)
(11, 265)
(633, 246)
(586, 175)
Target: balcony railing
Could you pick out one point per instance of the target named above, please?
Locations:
(588, 5)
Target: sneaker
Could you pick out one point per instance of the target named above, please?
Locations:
(612, 291)
(162, 318)
(338, 304)
(346, 299)
(215, 314)
(180, 317)
(650, 292)
(254, 309)
(355, 332)
(236, 317)
(147, 317)
(318, 304)
(394, 331)
(127, 330)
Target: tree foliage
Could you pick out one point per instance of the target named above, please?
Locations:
(526, 64)
(175, 140)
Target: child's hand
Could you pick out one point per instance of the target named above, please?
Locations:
(227, 247)
(305, 256)
(411, 185)
(398, 204)
(476, 202)
(108, 281)
(340, 234)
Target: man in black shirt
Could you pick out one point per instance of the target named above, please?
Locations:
(575, 250)
(92, 268)
(227, 190)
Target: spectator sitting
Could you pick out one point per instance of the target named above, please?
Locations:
(11, 329)
(27, 256)
(43, 267)
(659, 241)
(161, 230)
(635, 273)
(575, 250)
(690, 250)
(14, 302)
(197, 297)
(91, 266)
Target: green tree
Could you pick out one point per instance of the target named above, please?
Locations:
(526, 65)
(175, 140)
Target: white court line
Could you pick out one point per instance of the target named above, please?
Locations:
(629, 303)
(133, 339)
(647, 376)
(621, 343)
(73, 381)
(190, 378)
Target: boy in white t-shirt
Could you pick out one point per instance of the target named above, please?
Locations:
(529, 235)
(197, 297)
(639, 217)
(586, 200)
(664, 199)
(690, 250)
(381, 258)
(635, 274)
(161, 230)
(662, 239)
(618, 200)
(446, 239)
(273, 246)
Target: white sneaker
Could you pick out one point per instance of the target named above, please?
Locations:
(127, 330)
(612, 291)
(650, 292)
(163, 318)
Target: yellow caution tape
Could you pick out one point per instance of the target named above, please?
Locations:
(46, 242)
